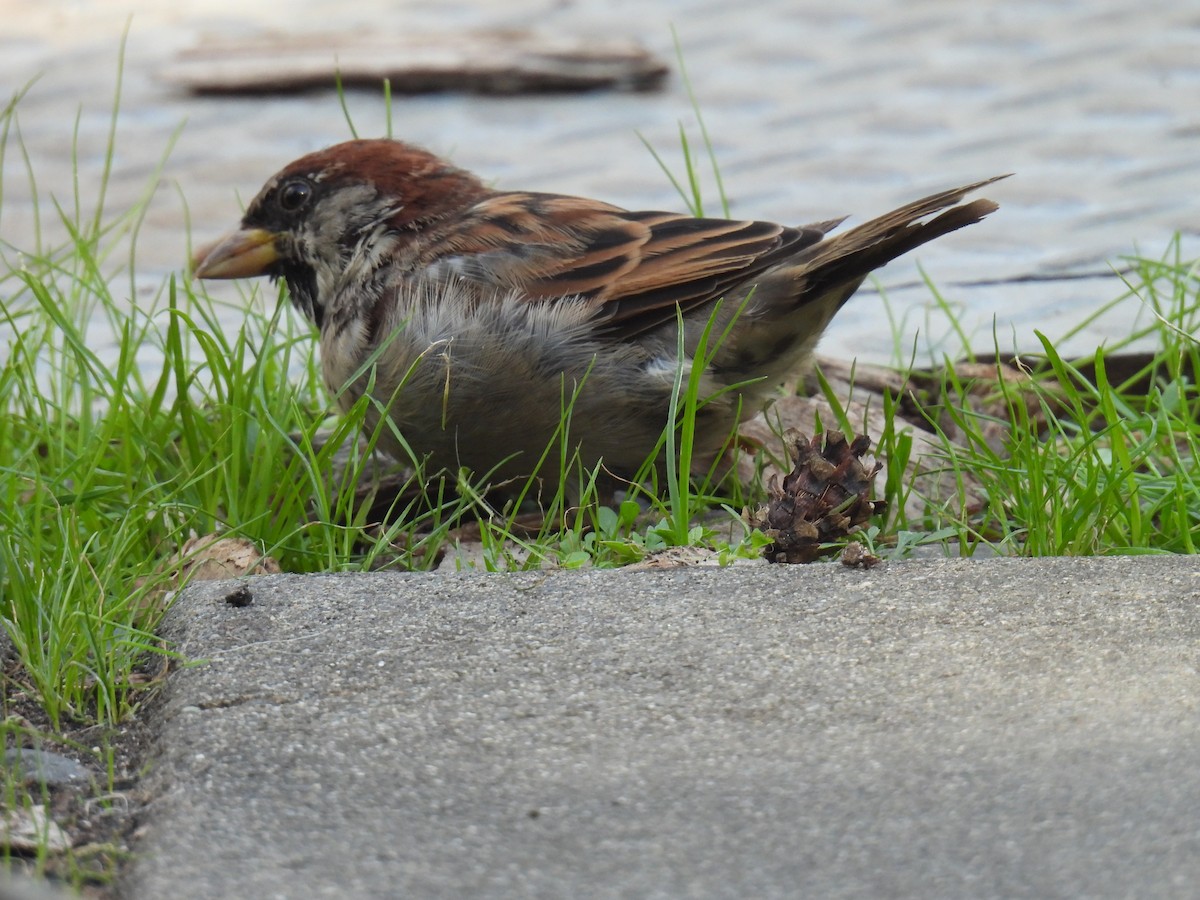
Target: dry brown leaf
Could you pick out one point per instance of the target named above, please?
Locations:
(211, 557)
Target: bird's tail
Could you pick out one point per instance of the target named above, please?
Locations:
(849, 257)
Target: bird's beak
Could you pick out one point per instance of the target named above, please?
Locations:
(243, 254)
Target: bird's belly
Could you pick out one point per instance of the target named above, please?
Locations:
(514, 390)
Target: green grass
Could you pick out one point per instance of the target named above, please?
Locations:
(1059, 457)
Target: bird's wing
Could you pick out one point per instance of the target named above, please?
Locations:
(636, 267)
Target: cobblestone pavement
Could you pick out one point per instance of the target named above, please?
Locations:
(816, 110)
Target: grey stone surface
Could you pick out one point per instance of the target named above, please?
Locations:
(17, 888)
(46, 768)
(816, 110)
(996, 728)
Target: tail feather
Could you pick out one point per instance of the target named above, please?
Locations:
(792, 305)
(851, 256)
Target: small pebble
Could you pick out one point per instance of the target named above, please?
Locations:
(240, 596)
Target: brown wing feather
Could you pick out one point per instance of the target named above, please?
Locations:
(635, 266)
(690, 261)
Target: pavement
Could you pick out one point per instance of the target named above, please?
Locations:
(927, 729)
(992, 728)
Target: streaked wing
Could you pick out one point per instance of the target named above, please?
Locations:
(635, 266)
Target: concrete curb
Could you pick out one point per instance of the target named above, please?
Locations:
(925, 729)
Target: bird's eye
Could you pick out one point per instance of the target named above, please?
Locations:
(294, 195)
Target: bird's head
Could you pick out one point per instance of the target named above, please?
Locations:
(337, 215)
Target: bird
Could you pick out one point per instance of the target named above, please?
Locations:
(512, 333)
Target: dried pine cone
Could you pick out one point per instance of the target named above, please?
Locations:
(823, 499)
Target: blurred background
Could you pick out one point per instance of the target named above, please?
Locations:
(815, 110)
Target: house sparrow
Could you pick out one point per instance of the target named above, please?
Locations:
(475, 317)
